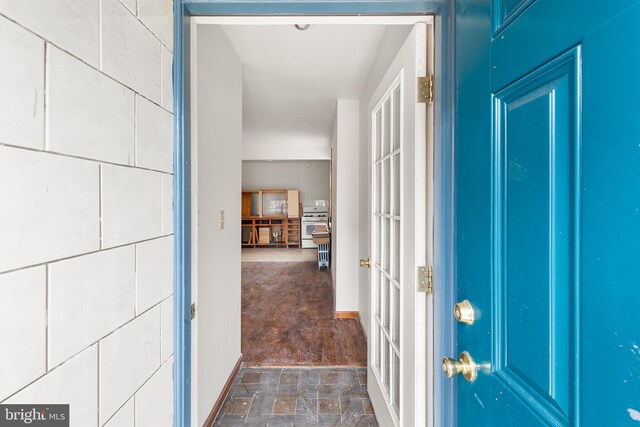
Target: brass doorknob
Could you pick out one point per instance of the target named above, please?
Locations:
(465, 366)
(464, 312)
(365, 263)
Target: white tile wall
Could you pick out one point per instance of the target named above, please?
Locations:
(154, 143)
(77, 204)
(128, 357)
(89, 297)
(22, 328)
(73, 25)
(21, 86)
(125, 417)
(154, 275)
(167, 204)
(88, 114)
(166, 325)
(130, 53)
(167, 79)
(131, 205)
(156, 14)
(154, 400)
(51, 207)
(74, 383)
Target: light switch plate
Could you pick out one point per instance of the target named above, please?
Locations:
(221, 220)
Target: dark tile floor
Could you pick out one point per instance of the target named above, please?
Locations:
(298, 397)
(288, 318)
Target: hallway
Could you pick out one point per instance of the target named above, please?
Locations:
(288, 318)
(301, 365)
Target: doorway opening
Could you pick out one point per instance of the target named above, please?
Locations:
(307, 116)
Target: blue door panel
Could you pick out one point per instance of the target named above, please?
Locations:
(611, 222)
(525, 292)
(557, 297)
(505, 11)
(535, 204)
(546, 29)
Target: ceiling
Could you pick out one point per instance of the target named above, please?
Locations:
(292, 78)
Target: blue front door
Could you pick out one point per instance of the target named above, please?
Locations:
(548, 213)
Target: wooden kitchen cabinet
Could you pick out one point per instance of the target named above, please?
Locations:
(258, 215)
(253, 231)
(247, 204)
(293, 203)
(293, 232)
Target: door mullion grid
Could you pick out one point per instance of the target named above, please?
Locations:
(388, 156)
(387, 334)
(395, 317)
(390, 216)
(385, 247)
(377, 253)
(376, 204)
(386, 274)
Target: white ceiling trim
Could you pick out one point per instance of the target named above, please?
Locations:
(301, 19)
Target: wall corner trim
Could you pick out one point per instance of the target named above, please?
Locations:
(366, 337)
(223, 395)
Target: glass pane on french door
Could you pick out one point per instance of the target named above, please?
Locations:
(387, 241)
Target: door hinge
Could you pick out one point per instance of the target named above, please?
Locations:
(193, 311)
(425, 90)
(425, 279)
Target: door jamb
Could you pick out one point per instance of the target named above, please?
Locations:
(444, 173)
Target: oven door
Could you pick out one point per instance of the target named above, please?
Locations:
(307, 228)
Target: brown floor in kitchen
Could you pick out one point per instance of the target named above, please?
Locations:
(298, 397)
(288, 318)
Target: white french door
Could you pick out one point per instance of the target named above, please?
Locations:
(399, 217)
(387, 240)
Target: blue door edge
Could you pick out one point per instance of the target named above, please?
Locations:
(445, 391)
(181, 221)
(444, 256)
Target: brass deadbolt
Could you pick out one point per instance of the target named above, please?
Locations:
(464, 312)
(365, 263)
(465, 366)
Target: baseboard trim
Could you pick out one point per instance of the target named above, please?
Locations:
(347, 314)
(223, 395)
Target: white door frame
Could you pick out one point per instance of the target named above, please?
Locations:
(291, 20)
(416, 155)
(194, 219)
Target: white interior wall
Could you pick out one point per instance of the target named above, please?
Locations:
(345, 231)
(393, 39)
(310, 177)
(219, 177)
(334, 202)
(275, 145)
(86, 182)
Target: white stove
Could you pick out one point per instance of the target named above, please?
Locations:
(312, 216)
